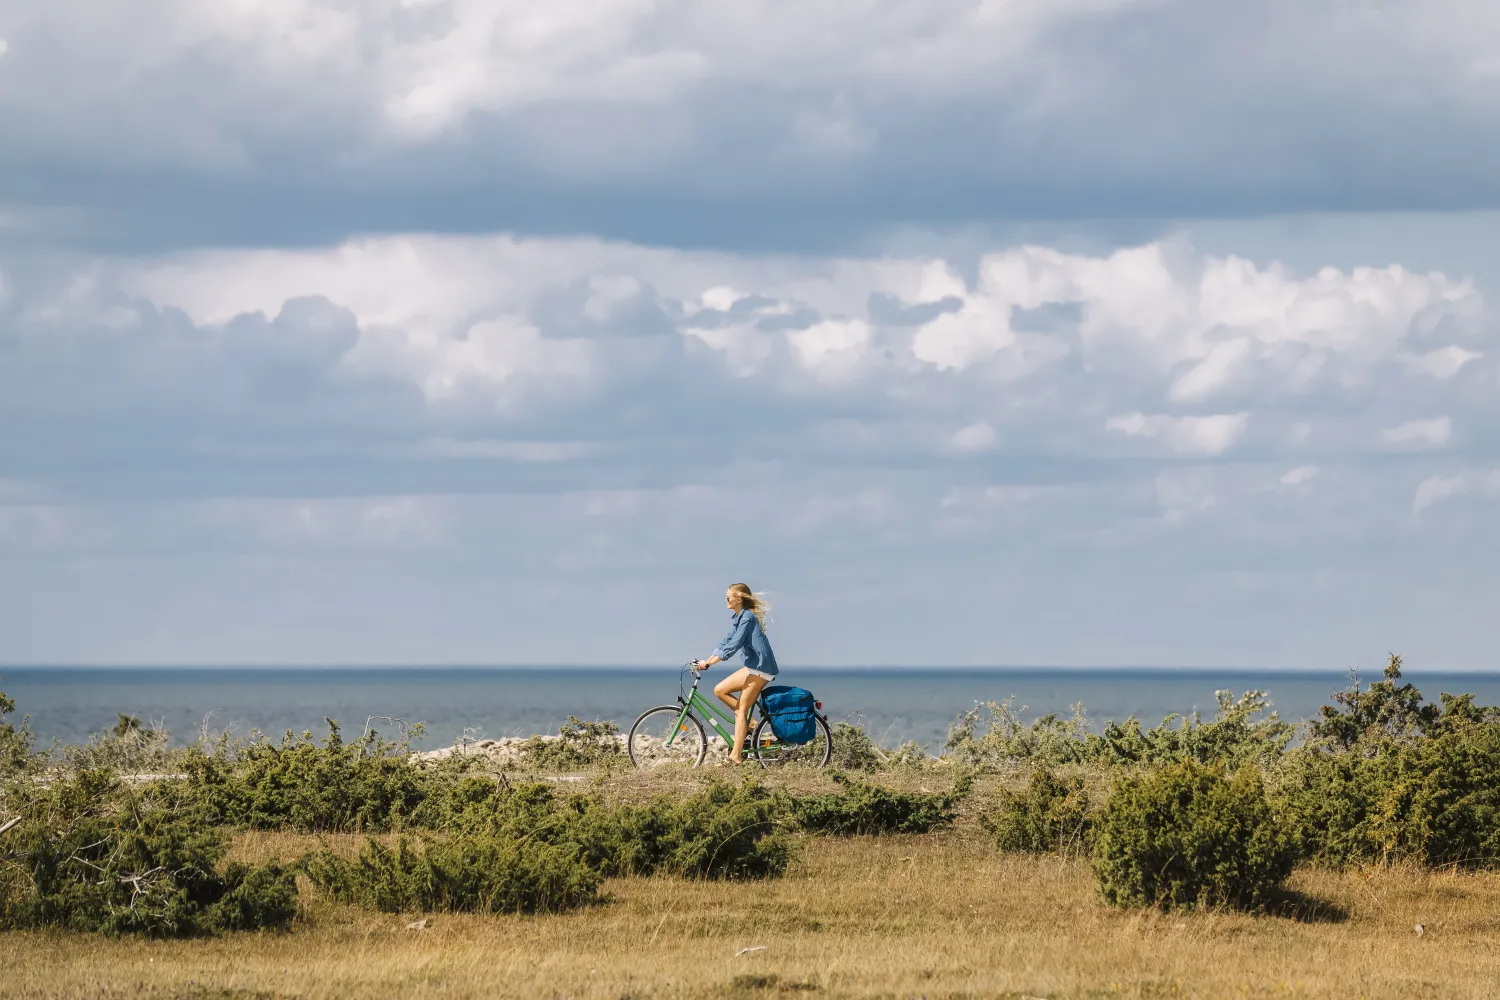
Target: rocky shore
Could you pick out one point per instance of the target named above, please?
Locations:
(508, 750)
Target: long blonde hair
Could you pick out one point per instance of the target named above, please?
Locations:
(754, 601)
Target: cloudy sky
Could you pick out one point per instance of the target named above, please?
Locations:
(976, 331)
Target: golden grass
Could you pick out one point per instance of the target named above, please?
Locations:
(934, 916)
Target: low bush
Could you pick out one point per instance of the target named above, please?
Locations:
(579, 746)
(853, 750)
(1434, 800)
(1441, 800)
(1386, 710)
(91, 856)
(909, 755)
(16, 752)
(859, 807)
(368, 784)
(485, 873)
(724, 831)
(1191, 835)
(128, 747)
(1051, 816)
(1243, 731)
(989, 742)
(1385, 776)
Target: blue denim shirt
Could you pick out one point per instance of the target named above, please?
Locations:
(746, 634)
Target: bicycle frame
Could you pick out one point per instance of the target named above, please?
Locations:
(712, 712)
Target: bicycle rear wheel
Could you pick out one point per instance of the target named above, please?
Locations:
(770, 752)
(647, 743)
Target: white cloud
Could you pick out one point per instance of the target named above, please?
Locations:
(514, 451)
(974, 438)
(496, 351)
(959, 340)
(720, 297)
(424, 66)
(1183, 494)
(1443, 363)
(1211, 435)
(1432, 433)
(455, 348)
(1212, 372)
(1146, 313)
(1436, 489)
(825, 344)
(737, 99)
(1301, 474)
(384, 522)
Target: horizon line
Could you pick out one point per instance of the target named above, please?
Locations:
(1239, 668)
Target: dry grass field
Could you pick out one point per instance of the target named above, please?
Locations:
(933, 916)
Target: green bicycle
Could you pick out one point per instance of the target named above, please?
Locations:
(674, 736)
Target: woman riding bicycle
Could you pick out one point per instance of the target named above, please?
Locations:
(747, 633)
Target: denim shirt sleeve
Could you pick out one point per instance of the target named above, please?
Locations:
(739, 634)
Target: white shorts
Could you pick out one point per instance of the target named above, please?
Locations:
(759, 673)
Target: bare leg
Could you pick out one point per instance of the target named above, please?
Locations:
(748, 694)
(726, 689)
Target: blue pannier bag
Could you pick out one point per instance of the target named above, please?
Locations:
(792, 711)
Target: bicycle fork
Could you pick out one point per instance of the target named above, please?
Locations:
(678, 727)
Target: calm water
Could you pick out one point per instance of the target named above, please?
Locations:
(894, 704)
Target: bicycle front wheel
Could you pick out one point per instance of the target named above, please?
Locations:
(648, 738)
(771, 752)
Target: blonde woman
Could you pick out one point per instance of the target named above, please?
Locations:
(747, 633)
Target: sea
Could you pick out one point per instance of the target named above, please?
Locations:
(893, 704)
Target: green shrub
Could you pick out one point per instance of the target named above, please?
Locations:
(16, 752)
(724, 831)
(1187, 834)
(909, 755)
(1383, 711)
(860, 807)
(1051, 815)
(91, 856)
(1237, 735)
(475, 803)
(1385, 776)
(1243, 731)
(1326, 800)
(128, 747)
(1434, 800)
(486, 873)
(1374, 719)
(366, 784)
(853, 750)
(1004, 737)
(1440, 803)
(255, 897)
(579, 746)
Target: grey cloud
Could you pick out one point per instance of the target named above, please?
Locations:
(605, 353)
(888, 310)
(1050, 317)
(470, 458)
(719, 127)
